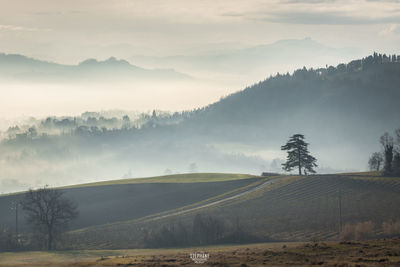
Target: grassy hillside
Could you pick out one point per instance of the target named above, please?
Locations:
(176, 178)
(128, 199)
(291, 209)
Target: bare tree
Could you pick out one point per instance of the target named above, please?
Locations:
(396, 163)
(49, 212)
(396, 157)
(375, 161)
(387, 143)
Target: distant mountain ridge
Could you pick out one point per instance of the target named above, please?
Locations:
(22, 68)
(280, 56)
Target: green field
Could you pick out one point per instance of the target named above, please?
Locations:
(176, 178)
(120, 214)
(291, 209)
(131, 199)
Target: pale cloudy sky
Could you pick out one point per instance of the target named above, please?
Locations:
(70, 31)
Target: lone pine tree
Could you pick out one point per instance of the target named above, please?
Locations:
(298, 155)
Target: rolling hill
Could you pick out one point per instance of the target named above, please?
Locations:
(292, 208)
(128, 199)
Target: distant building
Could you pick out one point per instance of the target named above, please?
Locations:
(269, 174)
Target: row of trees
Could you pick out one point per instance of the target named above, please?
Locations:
(389, 159)
(204, 230)
(93, 122)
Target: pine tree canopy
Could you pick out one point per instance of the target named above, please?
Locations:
(298, 155)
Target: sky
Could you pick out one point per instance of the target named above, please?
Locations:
(71, 31)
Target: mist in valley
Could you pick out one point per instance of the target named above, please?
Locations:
(240, 133)
(96, 120)
(229, 84)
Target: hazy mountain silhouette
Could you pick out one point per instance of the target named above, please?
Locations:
(21, 68)
(280, 56)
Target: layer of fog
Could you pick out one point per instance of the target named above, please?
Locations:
(40, 100)
(57, 158)
(214, 76)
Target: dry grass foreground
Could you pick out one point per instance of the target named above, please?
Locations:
(384, 252)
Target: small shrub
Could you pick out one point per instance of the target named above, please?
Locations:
(391, 228)
(364, 230)
(347, 232)
(358, 231)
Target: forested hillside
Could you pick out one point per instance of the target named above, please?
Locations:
(350, 97)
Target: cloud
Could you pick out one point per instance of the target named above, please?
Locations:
(19, 28)
(47, 13)
(390, 1)
(323, 12)
(180, 26)
(12, 28)
(323, 18)
(308, 1)
(390, 30)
